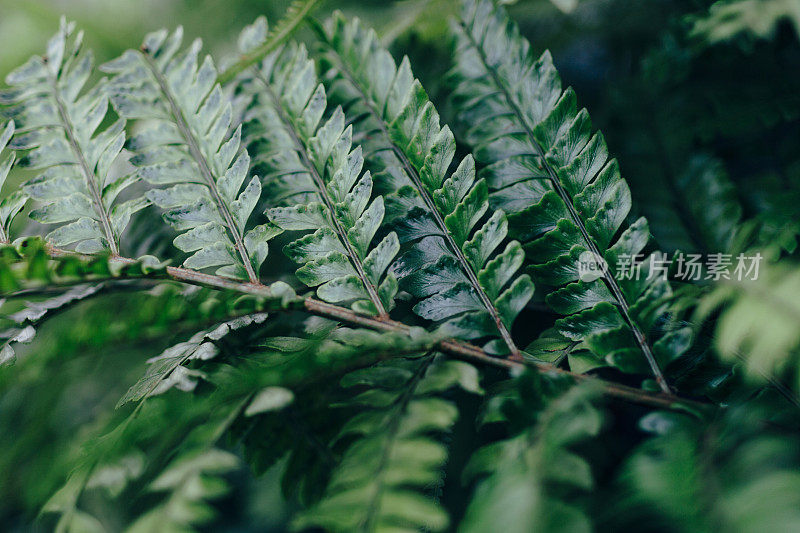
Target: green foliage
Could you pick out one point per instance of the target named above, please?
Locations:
(532, 478)
(758, 323)
(465, 278)
(691, 476)
(566, 198)
(313, 161)
(10, 204)
(58, 121)
(212, 396)
(186, 146)
(727, 19)
(392, 456)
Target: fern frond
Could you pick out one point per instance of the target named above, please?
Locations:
(253, 51)
(169, 370)
(394, 457)
(547, 169)
(459, 269)
(758, 322)
(727, 19)
(29, 265)
(190, 482)
(58, 121)
(697, 475)
(313, 161)
(532, 479)
(13, 203)
(35, 313)
(185, 144)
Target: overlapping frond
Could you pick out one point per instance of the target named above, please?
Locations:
(185, 148)
(565, 198)
(394, 459)
(58, 120)
(460, 268)
(12, 203)
(311, 160)
(533, 480)
(23, 330)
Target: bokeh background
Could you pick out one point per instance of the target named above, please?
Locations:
(677, 93)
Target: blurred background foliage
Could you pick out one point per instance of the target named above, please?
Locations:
(684, 92)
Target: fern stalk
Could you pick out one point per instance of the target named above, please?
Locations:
(294, 16)
(455, 348)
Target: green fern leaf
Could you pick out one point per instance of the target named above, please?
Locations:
(312, 161)
(533, 477)
(185, 144)
(565, 198)
(190, 481)
(377, 485)
(710, 475)
(254, 46)
(35, 313)
(464, 275)
(58, 121)
(758, 322)
(13, 203)
(168, 370)
(28, 265)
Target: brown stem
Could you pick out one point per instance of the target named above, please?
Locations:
(455, 348)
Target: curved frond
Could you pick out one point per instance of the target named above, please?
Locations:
(189, 482)
(311, 160)
(185, 148)
(566, 200)
(460, 268)
(57, 120)
(254, 50)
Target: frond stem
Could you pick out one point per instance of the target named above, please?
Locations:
(285, 29)
(455, 348)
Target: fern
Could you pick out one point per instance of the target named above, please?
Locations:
(706, 476)
(12, 204)
(392, 456)
(253, 53)
(169, 369)
(57, 120)
(727, 19)
(186, 145)
(190, 480)
(552, 174)
(758, 325)
(313, 160)
(369, 418)
(458, 268)
(533, 477)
